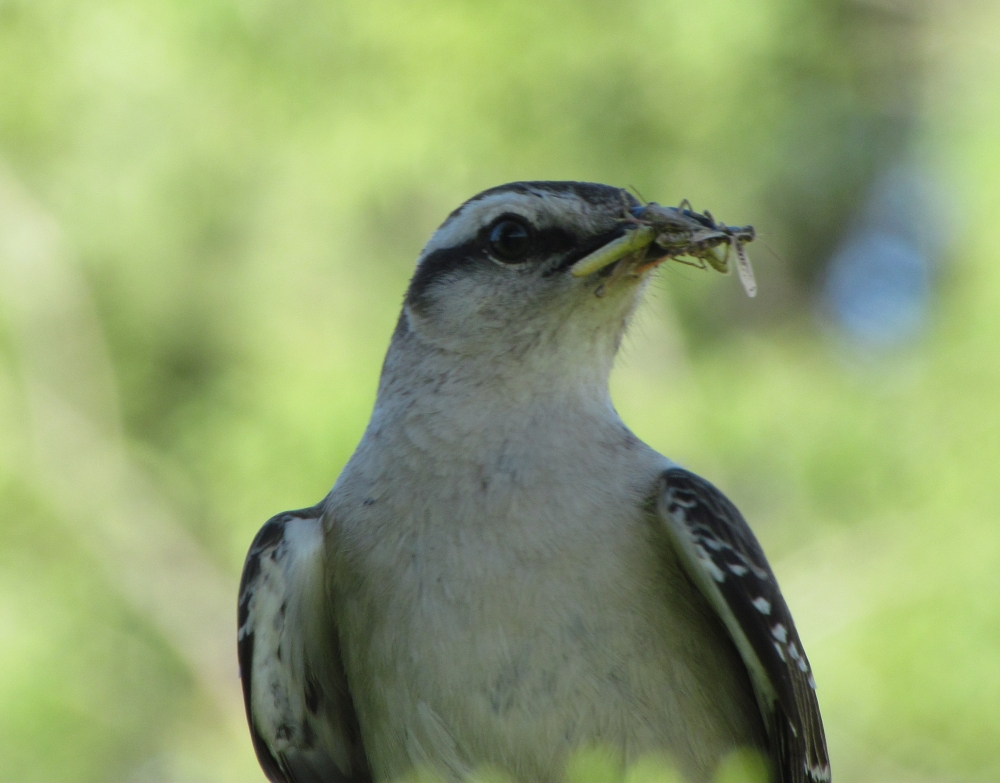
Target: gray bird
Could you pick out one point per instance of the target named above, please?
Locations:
(503, 573)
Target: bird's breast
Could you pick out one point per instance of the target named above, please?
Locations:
(493, 619)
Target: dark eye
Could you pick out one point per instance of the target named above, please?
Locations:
(510, 240)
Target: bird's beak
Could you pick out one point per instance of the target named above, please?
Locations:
(633, 241)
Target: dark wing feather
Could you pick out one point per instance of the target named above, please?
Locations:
(722, 556)
(301, 716)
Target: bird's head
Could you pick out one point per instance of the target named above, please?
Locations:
(501, 277)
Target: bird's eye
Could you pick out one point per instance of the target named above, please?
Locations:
(510, 240)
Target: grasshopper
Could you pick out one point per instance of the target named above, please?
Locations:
(658, 233)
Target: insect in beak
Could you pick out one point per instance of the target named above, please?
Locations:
(634, 240)
(675, 232)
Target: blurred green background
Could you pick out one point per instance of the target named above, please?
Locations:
(209, 210)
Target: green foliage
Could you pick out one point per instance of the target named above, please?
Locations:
(742, 766)
(208, 214)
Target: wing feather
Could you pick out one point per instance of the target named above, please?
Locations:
(722, 556)
(301, 716)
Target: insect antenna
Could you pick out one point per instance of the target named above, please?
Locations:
(638, 195)
(771, 250)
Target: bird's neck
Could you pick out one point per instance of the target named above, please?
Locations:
(550, 379)
(471, 438)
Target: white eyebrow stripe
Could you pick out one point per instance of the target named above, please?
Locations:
(471, 217)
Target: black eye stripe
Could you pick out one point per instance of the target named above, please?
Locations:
(552, 241)
(441, 263)
(582, 249)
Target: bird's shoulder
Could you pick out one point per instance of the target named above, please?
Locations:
(302, 719)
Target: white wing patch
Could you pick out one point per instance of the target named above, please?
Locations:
(301, 718)
(276, 607)
(762, 605)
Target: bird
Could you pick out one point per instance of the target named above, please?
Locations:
(503, 574)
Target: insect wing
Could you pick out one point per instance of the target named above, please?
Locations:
(743, 267)
(666, 219)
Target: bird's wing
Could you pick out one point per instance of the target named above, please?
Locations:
(301, 716)
(723, 558)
